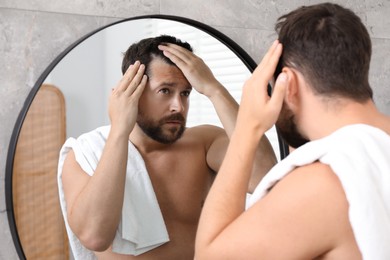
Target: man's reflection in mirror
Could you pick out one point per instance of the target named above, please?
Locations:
(135, 189)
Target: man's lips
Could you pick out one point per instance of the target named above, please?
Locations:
(174, 122)
(176, 119)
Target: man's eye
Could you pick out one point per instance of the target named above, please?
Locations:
(186, 93)
(164, 91)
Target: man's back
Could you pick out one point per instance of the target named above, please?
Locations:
(329, 194)
(317, 202)
(344, 189)
(327, 200)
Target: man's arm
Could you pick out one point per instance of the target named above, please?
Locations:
(202, 80)
(95, 202)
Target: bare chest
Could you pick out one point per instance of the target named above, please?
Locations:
(181, 180)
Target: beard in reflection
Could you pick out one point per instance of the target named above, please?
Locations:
(154, 129)
(288, 128)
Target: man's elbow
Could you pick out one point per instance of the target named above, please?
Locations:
(95, 242)
(92, 236)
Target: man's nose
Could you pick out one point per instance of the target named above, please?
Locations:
(177, 104)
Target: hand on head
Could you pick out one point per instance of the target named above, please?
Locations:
(257, 109)
(193, 67)
(123, 103)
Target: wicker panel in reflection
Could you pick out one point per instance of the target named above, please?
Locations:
(35, 193)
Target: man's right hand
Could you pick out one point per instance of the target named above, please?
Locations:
(124, 99)
(257, 110)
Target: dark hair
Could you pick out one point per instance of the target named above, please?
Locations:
(330, 46)
(147, 49)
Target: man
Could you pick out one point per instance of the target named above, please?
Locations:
(149, 108)
(330, 198)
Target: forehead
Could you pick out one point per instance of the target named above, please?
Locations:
(160, 73)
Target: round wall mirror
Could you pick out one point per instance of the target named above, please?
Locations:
(70, 98)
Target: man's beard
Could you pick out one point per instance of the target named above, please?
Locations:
(288, 128)
(155, 130)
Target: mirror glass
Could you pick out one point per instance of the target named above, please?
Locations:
(73, 100)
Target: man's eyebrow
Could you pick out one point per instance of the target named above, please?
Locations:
(171, 84)
(167, 84)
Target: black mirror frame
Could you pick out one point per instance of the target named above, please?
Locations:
(234, 47)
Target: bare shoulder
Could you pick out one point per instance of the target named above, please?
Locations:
(314, 174)
(316, 183)
(313, 199)
(207, 133)
(214, 141)
(206, 129)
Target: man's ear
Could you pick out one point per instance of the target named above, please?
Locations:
(292, 93)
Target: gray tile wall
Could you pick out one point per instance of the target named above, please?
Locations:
(34, 32)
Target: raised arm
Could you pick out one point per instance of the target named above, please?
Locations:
(95, 202)
(202, 80)
(226, 200)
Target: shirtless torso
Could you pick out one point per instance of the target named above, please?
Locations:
(181, 179)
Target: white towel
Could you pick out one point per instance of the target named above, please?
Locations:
(142, 227)
(360, 157)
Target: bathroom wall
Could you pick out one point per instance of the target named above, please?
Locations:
(34, 32)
